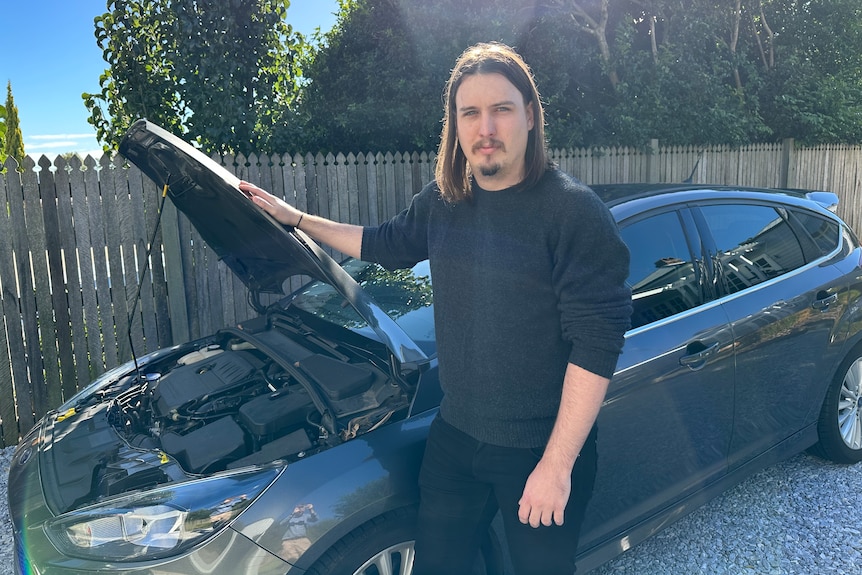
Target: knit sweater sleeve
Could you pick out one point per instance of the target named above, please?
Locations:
(402, 241)
(591, 265)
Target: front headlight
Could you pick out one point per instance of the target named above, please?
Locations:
(158, 523)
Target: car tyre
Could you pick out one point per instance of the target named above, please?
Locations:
(384, 545)
(839, 426)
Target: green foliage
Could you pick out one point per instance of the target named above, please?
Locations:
(571, 78)
(140, 82)
(14, 140)
(687, 72)
(220, 73)
(377, 82)
(814, 91)
(234, 77)
(236, 70)
(2, 134)
(685, 92)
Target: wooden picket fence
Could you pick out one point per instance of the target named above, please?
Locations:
(77, 298)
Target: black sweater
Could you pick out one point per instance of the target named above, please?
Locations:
(525, 282)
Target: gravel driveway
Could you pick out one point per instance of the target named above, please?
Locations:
(800, 517)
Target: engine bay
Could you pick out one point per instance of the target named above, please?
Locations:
(251, 395)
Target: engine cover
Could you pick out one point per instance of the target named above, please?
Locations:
(204, 378)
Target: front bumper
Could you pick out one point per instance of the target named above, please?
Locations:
(227, 553)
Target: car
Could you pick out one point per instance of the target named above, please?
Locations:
(291, 443)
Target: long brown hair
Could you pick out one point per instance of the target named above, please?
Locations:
(453, 172)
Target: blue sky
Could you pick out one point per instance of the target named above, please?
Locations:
(49, 53)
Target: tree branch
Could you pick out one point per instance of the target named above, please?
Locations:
(770, 35)
(599, 31)
(734, 40)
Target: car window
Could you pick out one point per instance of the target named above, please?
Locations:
(753, 243)
(662, 274)
(405, 295)
(822, 232)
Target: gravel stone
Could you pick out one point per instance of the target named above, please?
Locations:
(798, 517)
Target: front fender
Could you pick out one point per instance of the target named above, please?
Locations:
(317, 501)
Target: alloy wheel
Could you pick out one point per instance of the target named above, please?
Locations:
(850, 406)
(396, 560)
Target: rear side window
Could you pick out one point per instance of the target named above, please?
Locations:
(662, 274)
(753, 243)
(818, 230)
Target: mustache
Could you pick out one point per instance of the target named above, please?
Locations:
(489, 142)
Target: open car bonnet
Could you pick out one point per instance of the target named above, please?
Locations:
(258, 249)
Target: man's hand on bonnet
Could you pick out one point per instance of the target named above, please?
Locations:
(274, 206)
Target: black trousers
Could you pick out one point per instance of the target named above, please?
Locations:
(464, 482)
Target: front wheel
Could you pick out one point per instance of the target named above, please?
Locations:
(840, 424)
(383, 546)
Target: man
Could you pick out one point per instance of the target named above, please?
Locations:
(530, 310)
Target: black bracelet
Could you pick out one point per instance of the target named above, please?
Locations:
(299, 221)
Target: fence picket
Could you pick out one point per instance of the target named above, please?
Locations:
(44, 395)
(16, 408)
(60, 303)
(109, 181)
(24, 314)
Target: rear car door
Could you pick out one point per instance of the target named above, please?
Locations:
(783, 300)
(665, 427)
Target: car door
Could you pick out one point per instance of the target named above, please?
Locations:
(783, 305)
(664, 429)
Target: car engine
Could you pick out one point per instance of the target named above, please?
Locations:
(248, 396)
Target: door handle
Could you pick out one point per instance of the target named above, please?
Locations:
(698, 354)
(823, 301)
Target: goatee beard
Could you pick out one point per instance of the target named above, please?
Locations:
(489, 171)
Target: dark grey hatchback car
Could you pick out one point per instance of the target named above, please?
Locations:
(291, 443)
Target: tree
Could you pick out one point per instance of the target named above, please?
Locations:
(812, 90)
(234, 77)
(689, 72)
(377, 82)
(686, 77)
(219, 73)
(237, 65)
(606, 75)
(704, 72)
(2, 135)
(14, 140)
(140, 81)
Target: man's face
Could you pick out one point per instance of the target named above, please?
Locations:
(493, 127)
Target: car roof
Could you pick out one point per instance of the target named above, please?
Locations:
(613, 194)
(628, 199)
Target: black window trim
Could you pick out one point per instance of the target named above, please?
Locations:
(706, 236)
(703, 266)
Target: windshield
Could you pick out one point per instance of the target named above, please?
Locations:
(404, 294)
